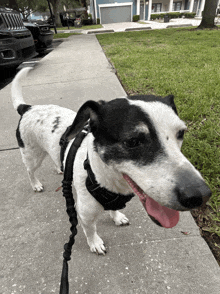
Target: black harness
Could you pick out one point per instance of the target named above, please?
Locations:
(108, 199)
(63, 144)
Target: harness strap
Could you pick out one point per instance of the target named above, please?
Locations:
(70, 205)
(63, 144)
(109, 200)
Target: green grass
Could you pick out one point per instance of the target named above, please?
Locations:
(63, 35)
(91, 27)
(185, 63)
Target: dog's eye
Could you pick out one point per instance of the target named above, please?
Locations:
(180, 134)
(132, 143)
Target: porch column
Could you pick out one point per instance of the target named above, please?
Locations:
(138, 7)
(149, 9)
(201, 8)
(171, 6)
(191, 5)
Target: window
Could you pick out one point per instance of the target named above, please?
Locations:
(156, 7)
(177, 6)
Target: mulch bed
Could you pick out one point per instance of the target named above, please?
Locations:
(212, 239)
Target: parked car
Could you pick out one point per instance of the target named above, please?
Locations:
(43, 36)
(70, 16)
(16, 41)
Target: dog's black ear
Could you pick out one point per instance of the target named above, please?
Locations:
(169, 100)
(89, 110)
(102, 102)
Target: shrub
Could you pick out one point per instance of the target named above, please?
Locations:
(174, 14)
(170, 14)
(87, 22)
(136, 17)
(189, 14)
(98, 20)
(154, 16)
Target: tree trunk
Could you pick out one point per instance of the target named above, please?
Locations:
(209, 13)
(84, 4)
(55, 4)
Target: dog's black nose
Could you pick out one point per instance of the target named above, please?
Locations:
(192, 192)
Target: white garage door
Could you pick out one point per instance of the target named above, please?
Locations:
(113, 14)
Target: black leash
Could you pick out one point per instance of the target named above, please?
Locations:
(71, 211)
(108, 199)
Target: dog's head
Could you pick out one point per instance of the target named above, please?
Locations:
(141, 137)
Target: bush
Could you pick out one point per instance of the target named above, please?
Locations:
(155, 16)
(174, 14)
(189, 14)
(170, 14)
(136, 17)
(87, 22)
(98, 20)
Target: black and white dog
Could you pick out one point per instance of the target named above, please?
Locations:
(134, 146)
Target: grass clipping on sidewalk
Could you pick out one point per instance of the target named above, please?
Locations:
(185, 63)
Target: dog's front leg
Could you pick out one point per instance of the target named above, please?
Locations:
(88, 213)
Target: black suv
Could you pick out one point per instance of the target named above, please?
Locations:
(16, 41)
(43, 36)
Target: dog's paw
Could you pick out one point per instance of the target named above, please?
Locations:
(38, 187)
(119, 218)
(59, 171)
(97, 245)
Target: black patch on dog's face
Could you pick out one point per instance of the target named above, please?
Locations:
(56, 124)
(118, 137)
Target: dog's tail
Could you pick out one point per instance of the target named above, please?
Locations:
(16, 91)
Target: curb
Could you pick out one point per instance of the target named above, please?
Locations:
(69, 31)
(100, 32)
(138, 29)
(179, 26)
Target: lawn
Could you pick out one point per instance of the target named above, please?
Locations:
(64, 35)
(185, 63)
(89, 27)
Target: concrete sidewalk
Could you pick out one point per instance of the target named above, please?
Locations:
(142, 258)
(134, 26)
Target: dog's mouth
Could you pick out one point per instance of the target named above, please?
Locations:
(161, 215)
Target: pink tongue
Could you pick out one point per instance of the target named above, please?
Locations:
(167, 217)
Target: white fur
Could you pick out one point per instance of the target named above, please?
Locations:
(35, 128)
(156, 179)
(16, 89)
(159, 177)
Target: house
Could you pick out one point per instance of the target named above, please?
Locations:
(111, 11)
